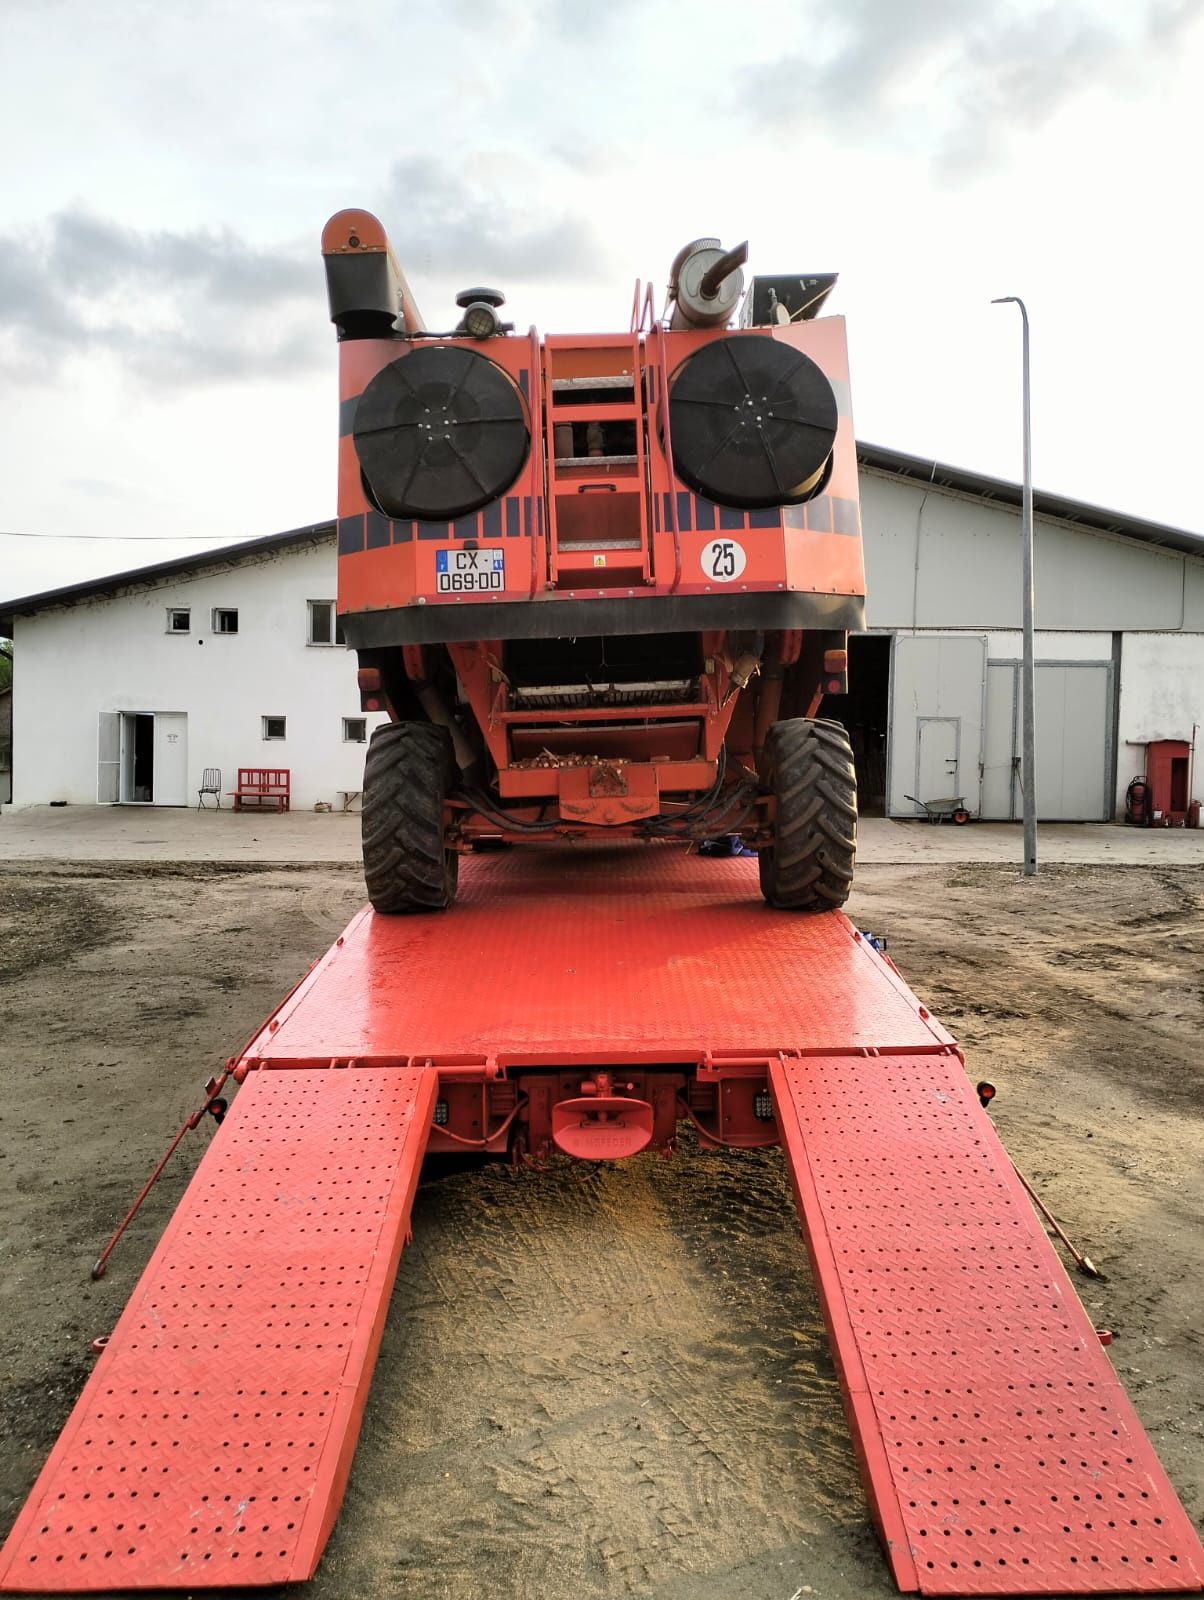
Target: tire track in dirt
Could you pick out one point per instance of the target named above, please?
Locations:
(581, 1387)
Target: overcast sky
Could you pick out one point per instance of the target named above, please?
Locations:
(167, 365)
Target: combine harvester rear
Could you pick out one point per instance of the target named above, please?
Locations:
(601, 585)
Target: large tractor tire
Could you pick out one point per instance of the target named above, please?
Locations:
(407, 864)
(808, 768)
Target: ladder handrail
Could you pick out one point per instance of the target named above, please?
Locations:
(537, 451)
(667, 438)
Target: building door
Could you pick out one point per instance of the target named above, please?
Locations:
(1001, 748)
(170, 783)
(108, 759)
(1073, 745)
(937, 691)
(143, 758)
(937, 742)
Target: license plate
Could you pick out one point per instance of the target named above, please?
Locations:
(469, 571)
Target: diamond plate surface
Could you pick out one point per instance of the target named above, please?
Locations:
(999, 1452)
(211, 1444)
(648, 953)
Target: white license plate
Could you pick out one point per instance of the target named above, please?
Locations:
(469, 571)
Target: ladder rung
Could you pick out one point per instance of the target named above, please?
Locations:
(621, 380)
(627, 411)
(586, 545)
(596, 461)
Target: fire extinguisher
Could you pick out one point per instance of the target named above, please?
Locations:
(1139, 813)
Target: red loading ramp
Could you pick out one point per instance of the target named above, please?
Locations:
(599, 955)
(999, 1453)
(212, 1443)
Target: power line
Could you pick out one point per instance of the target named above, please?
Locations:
(127, 538)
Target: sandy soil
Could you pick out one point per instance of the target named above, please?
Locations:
(615, 1382)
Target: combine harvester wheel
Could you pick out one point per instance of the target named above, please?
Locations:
(809, 771)
(407, 865)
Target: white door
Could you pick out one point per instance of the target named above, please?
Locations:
(108, 763)
(936, 679)
(1073, 744)
(171, 759)
(1000, 763)
(937, 776)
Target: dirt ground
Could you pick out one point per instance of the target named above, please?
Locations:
(599, 1383)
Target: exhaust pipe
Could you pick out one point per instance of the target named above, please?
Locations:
(705, 284)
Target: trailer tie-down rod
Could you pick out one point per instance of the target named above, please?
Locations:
(986, 1093)
(216, 1107)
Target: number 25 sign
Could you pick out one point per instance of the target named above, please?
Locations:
(723, 560)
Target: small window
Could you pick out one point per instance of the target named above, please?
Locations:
(179, 619)
(355, 730)
(325, 625)
(224, 621)
(274, 727)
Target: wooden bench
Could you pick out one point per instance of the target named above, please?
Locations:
(262, 786)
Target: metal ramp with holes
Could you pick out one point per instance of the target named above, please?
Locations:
(998, 1450)
(212, 1444)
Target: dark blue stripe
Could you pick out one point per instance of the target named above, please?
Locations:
(795, 516)
(403, 532)
(844, 516)
(729, 517)
(378, 530)
(491, 520)
(347, 414)
(704, 514)
(351, 535)
(683, 509)
(513, 518)
(769, 517)
(524, 382)
(819, 515)
(667, 512)
(466, 527)
(433, 530)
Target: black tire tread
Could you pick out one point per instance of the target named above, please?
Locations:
(808, 768)
(406, 776)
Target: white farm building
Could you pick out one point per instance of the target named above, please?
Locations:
(126, 689)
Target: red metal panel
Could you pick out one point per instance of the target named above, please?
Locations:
(212, 1443)
(603, 954)
(999, 1452)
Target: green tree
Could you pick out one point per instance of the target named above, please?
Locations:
(6, 663)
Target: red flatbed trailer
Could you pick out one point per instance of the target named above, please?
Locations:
(212, 1444)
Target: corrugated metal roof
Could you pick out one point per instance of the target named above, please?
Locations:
(1094, 518)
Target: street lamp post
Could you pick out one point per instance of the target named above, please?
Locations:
(1028, 766)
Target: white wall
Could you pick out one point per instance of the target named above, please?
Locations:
(1161, 695)
(935, 558)
(113, 653)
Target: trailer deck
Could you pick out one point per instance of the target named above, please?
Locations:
(212, 1444)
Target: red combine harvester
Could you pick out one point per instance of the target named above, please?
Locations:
(601, 584)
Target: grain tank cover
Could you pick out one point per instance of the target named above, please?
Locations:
(753, 422)
(440, 432)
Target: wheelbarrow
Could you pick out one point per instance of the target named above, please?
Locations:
(937, 810)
